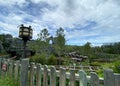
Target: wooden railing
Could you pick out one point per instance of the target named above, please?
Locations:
(31, 74)
(85, 68)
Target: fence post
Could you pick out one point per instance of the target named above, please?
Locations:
(11, 68)
(62, 79)
(45, 76)
(83, 78)
(38, 75)
(117, 79)
(16, 68)
(109, 79)
(8, 66)
(52, 76)
(72, 77)
(32, 65)
(24, 72)
(0, 66)
(94, 79)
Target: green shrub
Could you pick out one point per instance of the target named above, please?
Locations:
(116, 67)
(39, 58)
(100, 72)
(52, 60)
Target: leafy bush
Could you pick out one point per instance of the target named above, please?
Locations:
(52, 60)
(116, 67)
(100, 72)
(39, 58)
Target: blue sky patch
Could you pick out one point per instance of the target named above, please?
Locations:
(95, 24)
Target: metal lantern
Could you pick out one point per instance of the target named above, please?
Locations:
(26, 34)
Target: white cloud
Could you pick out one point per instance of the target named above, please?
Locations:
(13, 2)
(69, 14)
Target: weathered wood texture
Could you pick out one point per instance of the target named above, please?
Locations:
(83, 78)
(117, 79)
(32, 74)
(38, 75)
(52, 76)
(94, 79)
(72, 77)
(109, 79)
(45, 76)
(62, 76)
(0, 66)
(24, 72)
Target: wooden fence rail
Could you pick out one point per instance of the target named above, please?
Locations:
(31, 74)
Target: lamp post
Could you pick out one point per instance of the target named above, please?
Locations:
(26, 34)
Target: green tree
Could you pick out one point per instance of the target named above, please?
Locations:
(111, 48)
(87, 48)
(41, 45)
(6, 40)
(2, 38)
(88, 51)
(43, 35)
(60, 32)
(60, 41)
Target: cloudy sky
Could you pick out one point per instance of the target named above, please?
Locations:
(95, 21)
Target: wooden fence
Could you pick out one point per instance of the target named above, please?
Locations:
(31, 74)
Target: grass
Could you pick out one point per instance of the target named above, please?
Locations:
(8, 81)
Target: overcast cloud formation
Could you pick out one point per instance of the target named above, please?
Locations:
(95, 21)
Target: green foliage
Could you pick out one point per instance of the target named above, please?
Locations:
(39, 58)
(52, 60)
(95, 64)
(60, 32)
(38, 46)
(6, 40)
(42, 59)
(67, 60)
(100, 72)
(87, 48)
(2, 37)
(59, 42)
(112, 48)
(43, 35)
(8, 81)
(116, 67)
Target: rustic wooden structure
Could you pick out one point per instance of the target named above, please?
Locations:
(31, 74)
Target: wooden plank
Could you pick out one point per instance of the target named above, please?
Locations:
(62, 80)
(82, 78)
(94, 79)
(11, 68)
(32, 74)
(8, 66)
(0, 66)
(52, 76)
(72, 77)
(45, 76)
(109, 79)
(117, 79)
(38, 75)
(24, 72)
(16, 68)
